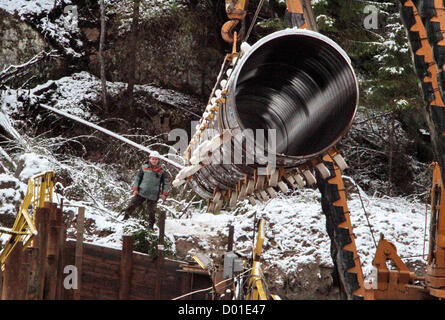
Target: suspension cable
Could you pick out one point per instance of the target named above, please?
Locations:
(258, 9)
(364, 210)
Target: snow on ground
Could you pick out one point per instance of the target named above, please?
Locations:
(296, 233)
(33, 164)
(149, 9)
(74, 94)
(295, 225)
(295, 229)
(77, 93)
(26, 7)
(12, 191)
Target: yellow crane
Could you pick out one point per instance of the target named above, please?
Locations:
(40, 190)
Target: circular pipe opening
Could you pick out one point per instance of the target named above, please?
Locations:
(301, 84)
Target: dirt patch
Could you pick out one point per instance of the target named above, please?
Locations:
(311, 282)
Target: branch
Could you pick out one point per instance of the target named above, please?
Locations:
(15, 70)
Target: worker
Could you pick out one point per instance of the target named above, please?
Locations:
(149, 184)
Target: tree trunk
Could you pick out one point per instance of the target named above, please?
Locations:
(132, 55)
(101, 55)
(390, 155)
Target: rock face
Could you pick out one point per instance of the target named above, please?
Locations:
(178, 48)
(19, 42)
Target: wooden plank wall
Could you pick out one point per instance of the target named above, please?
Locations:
(105, 273)
(101, 275)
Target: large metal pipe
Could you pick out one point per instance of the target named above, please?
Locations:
(297, 82)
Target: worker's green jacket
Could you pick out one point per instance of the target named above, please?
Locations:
(151, 181)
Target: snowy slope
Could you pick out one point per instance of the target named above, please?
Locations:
(78, 93)
(295, 229)
(295, 226)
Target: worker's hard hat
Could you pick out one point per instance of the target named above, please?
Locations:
(155, 154)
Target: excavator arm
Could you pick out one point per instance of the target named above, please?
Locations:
(435, 276)
(424, 21)
(425, 25)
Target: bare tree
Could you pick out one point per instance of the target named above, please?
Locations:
(101, 55)
(390, 155)
(132, 54)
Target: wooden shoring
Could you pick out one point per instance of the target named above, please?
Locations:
(79, 251)
(160, 258)
(52, 255)
(11, 278)
(126, 267)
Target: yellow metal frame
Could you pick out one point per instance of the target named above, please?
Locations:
(40, 190)
(257, 289)
(259, 241)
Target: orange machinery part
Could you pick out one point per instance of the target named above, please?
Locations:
(337, 180)
(426, 51)
(393, 284)
(435, 276)
(236, 12)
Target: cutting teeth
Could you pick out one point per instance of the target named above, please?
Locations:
(340, 161)
(283, 187)
(217, 197)
(290, 179)
(242, 193)
(299, 180)
(310, 179)
(323, 170)
(218, 205)
(211, 207)
(250, 186)
(272, 192)
(260, 182)
(233, 199)
(264, 195)
(273, 180)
